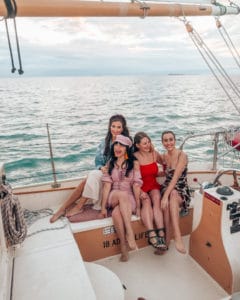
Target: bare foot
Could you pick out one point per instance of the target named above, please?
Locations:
(57, 215)
(131, 241)
(74, 211)
(180, 246)
(124, 252)
(159, 252)
(124, 257)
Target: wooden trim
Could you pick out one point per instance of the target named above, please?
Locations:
(44, 191)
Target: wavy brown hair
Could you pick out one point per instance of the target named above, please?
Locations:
(108, 138)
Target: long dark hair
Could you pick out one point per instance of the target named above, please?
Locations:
(129, 161)
(108, 138)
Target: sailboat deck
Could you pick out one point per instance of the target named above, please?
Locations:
(169, 276)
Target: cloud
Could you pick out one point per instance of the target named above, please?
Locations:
(119, 45)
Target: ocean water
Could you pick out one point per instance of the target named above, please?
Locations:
(77, 110)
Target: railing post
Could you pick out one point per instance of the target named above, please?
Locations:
(215, 151)
(2, 175)
(55, 184)
(2, 236)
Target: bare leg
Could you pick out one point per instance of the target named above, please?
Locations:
(158, 219)
(119, 226)
(147, 213)
(77, 208)
(71, 199)
(167, 226)
(147, 218)
(157, 212)
(126, 212)
(175, 201)
(166, 217)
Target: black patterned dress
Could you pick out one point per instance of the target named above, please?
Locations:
(181, 186)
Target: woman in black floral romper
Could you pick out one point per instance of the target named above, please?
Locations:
(175, 190)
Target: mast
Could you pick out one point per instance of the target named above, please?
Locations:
(137, 8)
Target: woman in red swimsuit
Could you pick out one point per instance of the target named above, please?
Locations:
(151, 212)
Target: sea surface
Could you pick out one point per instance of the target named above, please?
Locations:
(77, 110)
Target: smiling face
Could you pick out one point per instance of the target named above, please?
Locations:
(168, 141)
(116, 129)
(119, 150)
(144, 145)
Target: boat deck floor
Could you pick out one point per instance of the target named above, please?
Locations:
(169, 276)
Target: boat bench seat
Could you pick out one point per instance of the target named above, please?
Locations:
(97, 239)
(48, 265)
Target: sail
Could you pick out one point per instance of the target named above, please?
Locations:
(135, 8)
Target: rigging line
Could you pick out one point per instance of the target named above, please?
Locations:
(197, 44)
(214, 74)
(20, 70)
(217, 64)
(234, 5)
(11, 8)
(9, 46)
(217, 77)
(235, 55)
(213, 59)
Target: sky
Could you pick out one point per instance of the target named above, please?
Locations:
(114, 46)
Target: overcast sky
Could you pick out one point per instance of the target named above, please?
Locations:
(106, 46)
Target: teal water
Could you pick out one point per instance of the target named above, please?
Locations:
(77, 110)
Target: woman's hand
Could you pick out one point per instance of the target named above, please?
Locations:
(164, 202)
(104, 169)
(104, 212)
(143, 196)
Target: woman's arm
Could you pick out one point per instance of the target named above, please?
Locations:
(137, 186)
(159, 157)
(159, 160)
(100, 159)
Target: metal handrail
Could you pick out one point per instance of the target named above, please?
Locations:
(216, 134)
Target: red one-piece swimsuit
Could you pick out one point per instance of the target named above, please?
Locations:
(149, 176)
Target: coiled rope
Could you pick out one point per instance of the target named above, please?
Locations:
(14, 224)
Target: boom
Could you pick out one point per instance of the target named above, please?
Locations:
(81, 8)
